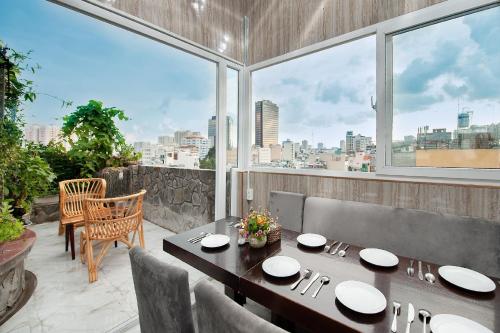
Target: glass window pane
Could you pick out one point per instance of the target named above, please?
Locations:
(446, 97)
(314, 112)
(232, 119)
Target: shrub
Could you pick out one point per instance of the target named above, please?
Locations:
(59, 161)
(28, 177)
(10, 227)
(94, 138)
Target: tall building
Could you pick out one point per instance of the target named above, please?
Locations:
(42, 134)
(200, 142)
(231, 134)
(342, 146)
(321, 146)
(463, 119)
(266, 123)
(288, 151)
(166, 140)
(361, 142)
(179, 135)
(349, 142)
(212, 131)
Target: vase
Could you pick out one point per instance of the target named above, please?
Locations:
(256, 242)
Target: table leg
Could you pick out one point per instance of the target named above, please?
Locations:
(235, 295)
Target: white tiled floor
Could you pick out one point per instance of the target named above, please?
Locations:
(64, 301)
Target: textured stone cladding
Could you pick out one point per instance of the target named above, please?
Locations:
(176, 199)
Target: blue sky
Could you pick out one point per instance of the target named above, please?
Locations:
(327, 93)
(320, 96)
(161, 88)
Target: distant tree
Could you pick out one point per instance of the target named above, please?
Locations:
(209, 161)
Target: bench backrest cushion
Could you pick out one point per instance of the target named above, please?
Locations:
(439, 238)
(289, 208)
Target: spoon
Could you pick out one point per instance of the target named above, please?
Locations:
(397, 310)
(343, 252)
(307, 275)
(424, 315)
(328, 247)
(410, 270)
(429, 276)
(324, 280)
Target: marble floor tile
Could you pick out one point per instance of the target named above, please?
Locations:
(64, 301)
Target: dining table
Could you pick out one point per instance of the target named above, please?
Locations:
(239, 268)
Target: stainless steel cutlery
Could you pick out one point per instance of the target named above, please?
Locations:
(343, 252)
(334, 251)
(323, 280)
(429, 276)
(411, 317)
(410, 270)
(397, 310)
(195, 240)
(425, 316)
(328, 247)
(196, 237)
(307, 275)
(420, 273)
(310, 284)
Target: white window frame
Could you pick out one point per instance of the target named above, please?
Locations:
(428, 15)
(126, 21)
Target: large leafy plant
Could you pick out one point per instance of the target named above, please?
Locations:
(23, 174)
(94, 137)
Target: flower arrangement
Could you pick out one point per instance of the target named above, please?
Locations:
(255, 226)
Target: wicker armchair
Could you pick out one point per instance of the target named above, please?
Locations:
(107, 221)
(71, 196)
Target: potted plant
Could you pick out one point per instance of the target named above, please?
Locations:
(255, 227)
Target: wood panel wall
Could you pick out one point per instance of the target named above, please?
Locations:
(281, 26)
(206, 27)
(462, 200)
(276, 27)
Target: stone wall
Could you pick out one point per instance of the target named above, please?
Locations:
(176, 199)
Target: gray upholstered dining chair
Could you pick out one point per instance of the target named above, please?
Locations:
(218, 313)
(162, 293)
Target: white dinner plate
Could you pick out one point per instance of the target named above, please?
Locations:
(281, 266)
(467, 278)
(379, 257)
(216, 240)
(311, 240)
(360, 297)
(448, 323)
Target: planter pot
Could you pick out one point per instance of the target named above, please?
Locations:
(257, 243)
(16, 284)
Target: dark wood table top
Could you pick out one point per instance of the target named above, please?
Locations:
(240, 268)
(227, 264)
(327, 313)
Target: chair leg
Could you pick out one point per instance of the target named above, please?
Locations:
(141, 236)
(66, 237)
(116, 243)
(61, 229)
(82, 247)
(72, 240)
(90, 262)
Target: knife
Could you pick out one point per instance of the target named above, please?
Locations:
(310, 284)
(420, 274)
(411, 317)
(337, 248)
